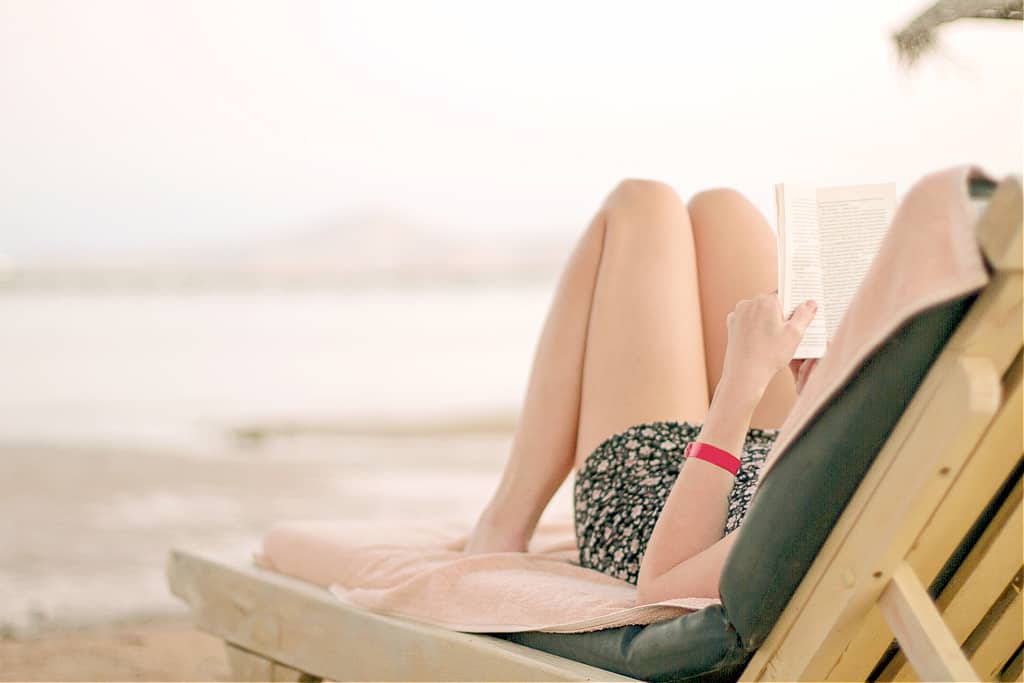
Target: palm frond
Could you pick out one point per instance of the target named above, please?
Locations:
(918, 36)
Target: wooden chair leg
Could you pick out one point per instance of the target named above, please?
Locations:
(249, 666)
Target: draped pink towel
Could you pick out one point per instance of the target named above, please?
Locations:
(930, 255)
(416, 570)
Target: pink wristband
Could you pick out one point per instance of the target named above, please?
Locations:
(714, 455)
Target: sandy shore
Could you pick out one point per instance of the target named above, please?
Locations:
(84, 534)
(140, 650)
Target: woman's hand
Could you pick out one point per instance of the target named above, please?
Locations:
(761, 342)
(802, 367)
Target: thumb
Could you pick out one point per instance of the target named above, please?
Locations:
(802, 316)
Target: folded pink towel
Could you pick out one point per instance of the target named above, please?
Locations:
(416, 570)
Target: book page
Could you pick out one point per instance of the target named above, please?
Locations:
(800, 265)
(851, 224)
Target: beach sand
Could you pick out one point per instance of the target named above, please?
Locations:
(163, 649)
(85, 532)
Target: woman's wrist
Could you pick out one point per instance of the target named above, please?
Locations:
(739, 390)
(728, 417)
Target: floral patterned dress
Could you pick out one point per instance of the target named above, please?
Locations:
(621, 488)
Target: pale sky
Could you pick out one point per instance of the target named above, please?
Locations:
(128, 125)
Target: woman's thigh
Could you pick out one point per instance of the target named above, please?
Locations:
(737, 259)
(644, 354)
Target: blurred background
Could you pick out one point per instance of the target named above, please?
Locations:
(267, 260)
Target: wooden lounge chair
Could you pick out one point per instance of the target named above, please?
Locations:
(908, 565)
(959, 500)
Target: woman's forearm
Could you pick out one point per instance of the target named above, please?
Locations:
(684, 556)
(694, 513)
(696, 577)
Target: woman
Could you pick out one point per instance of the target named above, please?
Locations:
(661, 305)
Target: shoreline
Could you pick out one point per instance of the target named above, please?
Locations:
(485, 424)
(89, 529)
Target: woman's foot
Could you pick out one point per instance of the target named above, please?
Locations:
(491, 536)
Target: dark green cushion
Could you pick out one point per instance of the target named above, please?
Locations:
(787, 523)
(799, 502)
(701, 646)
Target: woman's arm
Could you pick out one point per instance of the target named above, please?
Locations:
(685, 553)
(695, 577)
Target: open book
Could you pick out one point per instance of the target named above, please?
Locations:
(828, 237)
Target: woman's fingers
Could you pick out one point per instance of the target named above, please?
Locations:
(794, 368)
(801, 370)
(805, 371)
(802, 316)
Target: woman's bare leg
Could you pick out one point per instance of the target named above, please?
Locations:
(645, 349)
(545, 436)
(622, 343)
(736, 259)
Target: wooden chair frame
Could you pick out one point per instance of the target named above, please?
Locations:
(910, 512)
(952, 450)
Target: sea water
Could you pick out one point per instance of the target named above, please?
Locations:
(163, 366)
(114, 405)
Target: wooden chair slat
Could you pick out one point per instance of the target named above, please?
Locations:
(999, 227)
(913, 618)
(983, 474)
(1014, 669)
(996, 323)
(999, 636)
(985, 571)
(980, 581)
(897, 496)
(301, 626)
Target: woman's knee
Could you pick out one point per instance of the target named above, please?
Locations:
(649, 202)
(717, 198)
(724, 213)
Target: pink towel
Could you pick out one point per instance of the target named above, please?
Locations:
(930, 255)
(417, 571)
